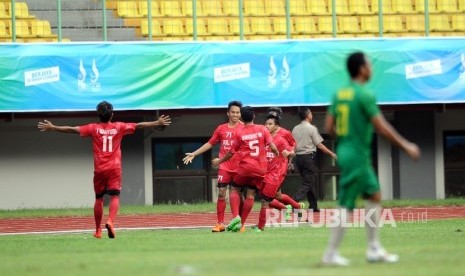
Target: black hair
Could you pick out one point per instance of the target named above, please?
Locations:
(354, 62)
(247, 114)
(234, 103)
(276, 110)
(275, 119)
(104, 111)
(303, 113)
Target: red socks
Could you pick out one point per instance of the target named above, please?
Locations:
(246, 208)
(234, 201)
(98, 212)
(287, 200)
(114, 207)
(262, 218)
(277, 205)
(220, 208)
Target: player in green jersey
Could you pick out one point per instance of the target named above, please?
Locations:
(352, 117)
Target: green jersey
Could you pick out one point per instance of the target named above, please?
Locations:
(353, 108)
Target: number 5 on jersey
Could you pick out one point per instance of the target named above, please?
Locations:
(255, 150)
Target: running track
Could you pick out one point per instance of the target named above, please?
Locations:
(12, 226)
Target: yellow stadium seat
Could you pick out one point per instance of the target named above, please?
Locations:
(317, 7)
(305, 25)
(325, 24)
(420, 6)
(359, 7)
(3, 12)
(201, 29)
(387, 6)
(458, 22)
(233, 38)
(261, 25)
(392, 24)
(415, 23)
(21, 10)
(439, 23)
(349, 24)
(341, 7)
(461, 5)
(3, 32)
(173, 27)
(402, 6)
(212, 8)
(188, 10)
(215, 38)
(275, 8)
(280, 25)
(218, 26)
(254, 8)
(369, 24)
(447, 5)
(231, 7)
(297, 7)
(234, 25)
(156, 27)
(127, 9)
(22, 29)
(144, 9)
(170, 8)
(41, 28)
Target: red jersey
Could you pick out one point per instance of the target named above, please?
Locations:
(277, 164)
(287, 135)
(106, 143)
(225, 135)
(250, 144)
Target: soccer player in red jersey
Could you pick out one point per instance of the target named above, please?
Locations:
(106, 143)
(224, 134)
(271, 187)
(249, 144)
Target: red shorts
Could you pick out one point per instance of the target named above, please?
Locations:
(271, 184)
(107, 180)
(224, 177)
(249, 181)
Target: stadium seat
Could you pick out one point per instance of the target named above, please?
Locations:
(359, 7)
(22, 29)
(173, 27)
(317, 7)
(3, 31)
(201, 29)
(305, 25)
(297, 7)
(156, 27)
(231, 7)
(215, 38)
(187, 8)
(212, 8)
(275, 8)
(461, 5)
(420, 6)
(387, 6)
(261, 26)
(447, 5)
(458, 22)
(21, 10)
(218, 26)
(415, 23)
(325, 24)
(392, 24)
(439, 23)
(402, 6)
(280, 25)
(349, 24)
(233, 38)
(341, 7)
(234, 25)
(127, 9)
(144, 9)
(3, 12)
(254, 8)
(369, 24)
(41, 28)
(170, 8)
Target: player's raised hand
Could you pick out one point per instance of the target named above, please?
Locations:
(216, 163)
(188, 158)
(164, 120)
(45, 125)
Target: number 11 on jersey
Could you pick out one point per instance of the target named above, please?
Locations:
(107, 143)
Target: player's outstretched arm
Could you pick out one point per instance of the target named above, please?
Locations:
(162, 121)
(191, 155)
(48, 126)
(385, 129)
(217, 161)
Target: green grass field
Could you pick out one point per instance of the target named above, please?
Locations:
(432, 248)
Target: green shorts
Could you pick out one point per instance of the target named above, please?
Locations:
(355, 181)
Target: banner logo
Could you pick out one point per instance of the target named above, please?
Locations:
(284, 74)
(231, 72)
(93, 84)
(40, 76)
(423, 69)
